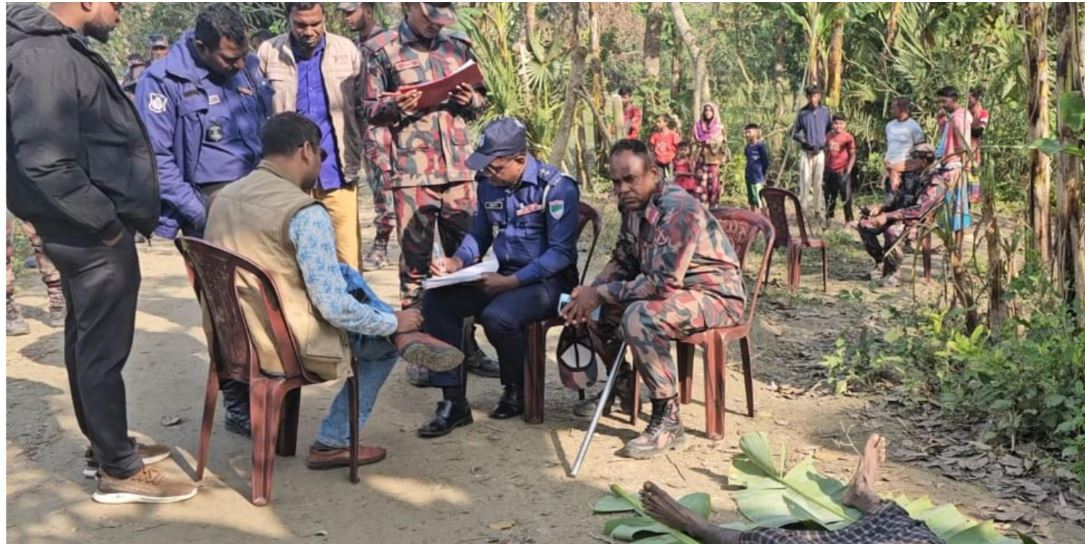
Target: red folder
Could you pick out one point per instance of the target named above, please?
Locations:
(435, 92)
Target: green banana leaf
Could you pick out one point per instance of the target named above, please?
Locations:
(775, 497)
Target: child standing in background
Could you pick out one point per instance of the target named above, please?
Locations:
(683, 172)
(757, 165)
(664, 142)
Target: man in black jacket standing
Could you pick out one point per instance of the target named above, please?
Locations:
(81, 170)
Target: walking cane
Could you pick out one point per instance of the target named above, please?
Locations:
(599, 407)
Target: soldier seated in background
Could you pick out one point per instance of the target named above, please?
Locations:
(673, 272)
(919, 192)
(534, 209)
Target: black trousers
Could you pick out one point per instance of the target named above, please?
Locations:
(503, 318)
(101, 286)
(838, 184)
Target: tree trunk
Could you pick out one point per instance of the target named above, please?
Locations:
(1034, 19)
(676, 67)
(1069, 232)
(891, 24)
(700, 69)
(812, 43)
(652, 40)
(568, 113)
(836, 62)
(525, 54)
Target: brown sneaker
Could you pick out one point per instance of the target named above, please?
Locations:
(149, 453)
(324, 459)
(422, 349)
(664, 433)
(148, 486)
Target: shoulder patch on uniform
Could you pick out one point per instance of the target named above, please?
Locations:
(157, 102)
(556, 209)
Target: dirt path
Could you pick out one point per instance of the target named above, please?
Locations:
(490, 482)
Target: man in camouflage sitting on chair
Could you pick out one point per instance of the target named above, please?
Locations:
(673, 272)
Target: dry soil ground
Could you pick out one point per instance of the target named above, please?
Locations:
(494, 481)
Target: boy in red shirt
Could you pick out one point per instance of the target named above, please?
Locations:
(664, 144)
(841, 159)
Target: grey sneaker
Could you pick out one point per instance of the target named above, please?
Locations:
(150, 453)
(148, 486)
(664, 433)
(890, 280)
(16, 325)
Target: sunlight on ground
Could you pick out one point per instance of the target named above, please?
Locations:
(417, 492)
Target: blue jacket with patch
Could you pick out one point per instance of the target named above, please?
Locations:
(204, 129)
(536, 223)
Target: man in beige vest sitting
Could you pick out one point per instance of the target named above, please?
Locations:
(270, 218)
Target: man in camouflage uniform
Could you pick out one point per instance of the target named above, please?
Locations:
(432, 187)
(376, 140)
(673, 272)
(16, 325)
(920, 192)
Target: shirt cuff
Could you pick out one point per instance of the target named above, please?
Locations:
(388, 324)
(528, 274)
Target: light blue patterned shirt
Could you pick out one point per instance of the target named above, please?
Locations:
(313, 236)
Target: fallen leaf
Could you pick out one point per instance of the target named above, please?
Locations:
(502, 525)
(171, 420)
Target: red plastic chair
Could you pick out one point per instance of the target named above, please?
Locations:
(274, 400)
(535, 371)
(775, 200)
(742, 227)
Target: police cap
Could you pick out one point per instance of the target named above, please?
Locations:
(503, 137)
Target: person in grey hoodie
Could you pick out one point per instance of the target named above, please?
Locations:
(80, 169)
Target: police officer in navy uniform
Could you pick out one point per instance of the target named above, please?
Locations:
(533, 208)
(204, 105)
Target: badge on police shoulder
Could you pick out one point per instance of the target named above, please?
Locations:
(156, 102)
(557, 209)
(215, 133)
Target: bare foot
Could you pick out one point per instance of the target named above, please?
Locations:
(663, 508)
(860, 491)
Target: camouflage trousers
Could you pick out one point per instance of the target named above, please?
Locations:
(384, 218)
(49, 274)
(649, 327)
(419, 211)
(886, 255)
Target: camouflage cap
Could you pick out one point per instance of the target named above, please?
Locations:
(441, 13)
(577, 360)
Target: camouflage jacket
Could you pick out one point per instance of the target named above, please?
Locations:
(931, 194)
(429, 147)
(674, 244)
(376, 141)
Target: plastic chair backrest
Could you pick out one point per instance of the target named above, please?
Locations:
(743, 227)
(776, 201)
(587, 214)
(215, 272)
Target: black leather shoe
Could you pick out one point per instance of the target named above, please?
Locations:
(510, 405)
(235, 399)
(448, 417)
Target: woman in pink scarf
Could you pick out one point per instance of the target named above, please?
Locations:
(711, 151)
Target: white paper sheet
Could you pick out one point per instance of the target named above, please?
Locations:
(466, 275)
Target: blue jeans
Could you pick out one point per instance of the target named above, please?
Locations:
(376, 356)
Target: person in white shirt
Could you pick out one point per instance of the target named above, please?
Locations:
(901, 135)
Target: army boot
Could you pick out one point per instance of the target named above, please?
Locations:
(58, 308)
(664, 433)
(377, 256)
(16, 325)
(235, 399)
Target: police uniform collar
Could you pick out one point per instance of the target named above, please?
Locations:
(531, 171)
(408, 35)
(182, 60)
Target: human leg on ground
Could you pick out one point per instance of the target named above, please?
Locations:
(665, 509)
(503, 320)
(376, 357)
(101, 286)
(649, 327)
